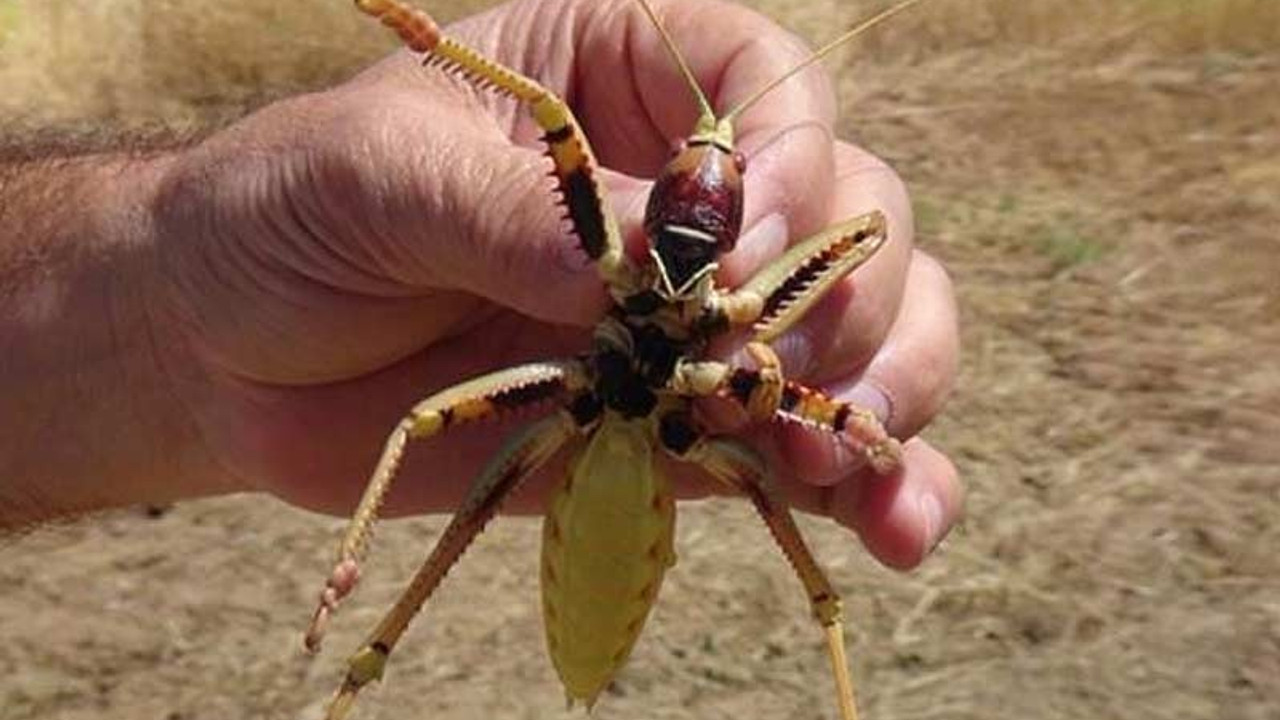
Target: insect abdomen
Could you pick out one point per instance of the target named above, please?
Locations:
(606, 544)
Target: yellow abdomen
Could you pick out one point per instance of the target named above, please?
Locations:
(606, 544)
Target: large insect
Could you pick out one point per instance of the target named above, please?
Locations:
(607, 536)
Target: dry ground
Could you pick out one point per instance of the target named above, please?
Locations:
(1102, 178)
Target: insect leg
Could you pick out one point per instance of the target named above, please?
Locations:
(518, 459)
(781, 293)
(476, 399)
(583, 197)
(763, 393)
(740, 468)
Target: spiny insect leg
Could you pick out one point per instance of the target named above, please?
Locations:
(795, 401)
(584, 199)
(476, 399)
(781, 293)
(740, 468)
(517, 460)
(759, 391)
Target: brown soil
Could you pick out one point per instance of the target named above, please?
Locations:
(1104, 185)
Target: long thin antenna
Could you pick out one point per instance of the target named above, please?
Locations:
(708, 115)
(821, 53)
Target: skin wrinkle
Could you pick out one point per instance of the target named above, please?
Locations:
(93, 359)
(290, 225)
(234, 480)
(844, 307)
(795, 350)
(261, 264)
(379, 257)
(408, 194)
(244, 267)
(531, 204)
(170, 375)
(326, 258)
(595, 21)
(638, 98)
(134, 317)
(437, 197)
(636, 144)
(308, 272)
(307, 213)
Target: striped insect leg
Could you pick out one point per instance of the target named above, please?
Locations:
(580, 192)
(764, 394)
(760, 395)
(780, 294)
(740, 468)
(483, 397)
(858, 426)
(516, 461)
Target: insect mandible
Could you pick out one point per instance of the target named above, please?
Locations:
(607, 535)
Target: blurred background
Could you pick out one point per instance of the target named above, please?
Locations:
(1102, 177)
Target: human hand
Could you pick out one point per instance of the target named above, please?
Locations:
(334, 257)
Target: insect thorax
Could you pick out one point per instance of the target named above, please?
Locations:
(633, 360)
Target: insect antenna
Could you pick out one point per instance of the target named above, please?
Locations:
(822, 52)
(707, 119)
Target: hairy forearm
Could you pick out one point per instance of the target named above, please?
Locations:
(87, 419)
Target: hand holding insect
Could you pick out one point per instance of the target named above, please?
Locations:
(295, 380)
(424, 299)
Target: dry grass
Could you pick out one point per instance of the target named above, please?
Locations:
(1105, 192)
(1101, 178)
(178, 60)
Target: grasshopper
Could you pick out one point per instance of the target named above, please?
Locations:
(607, 534)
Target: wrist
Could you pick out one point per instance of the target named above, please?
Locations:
(90, 417)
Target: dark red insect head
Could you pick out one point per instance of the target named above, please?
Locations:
(695, 211)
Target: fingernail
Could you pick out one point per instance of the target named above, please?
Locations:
(795, 352)
(930, 508)
(866, 395)
(770, 230)
(762, 242)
